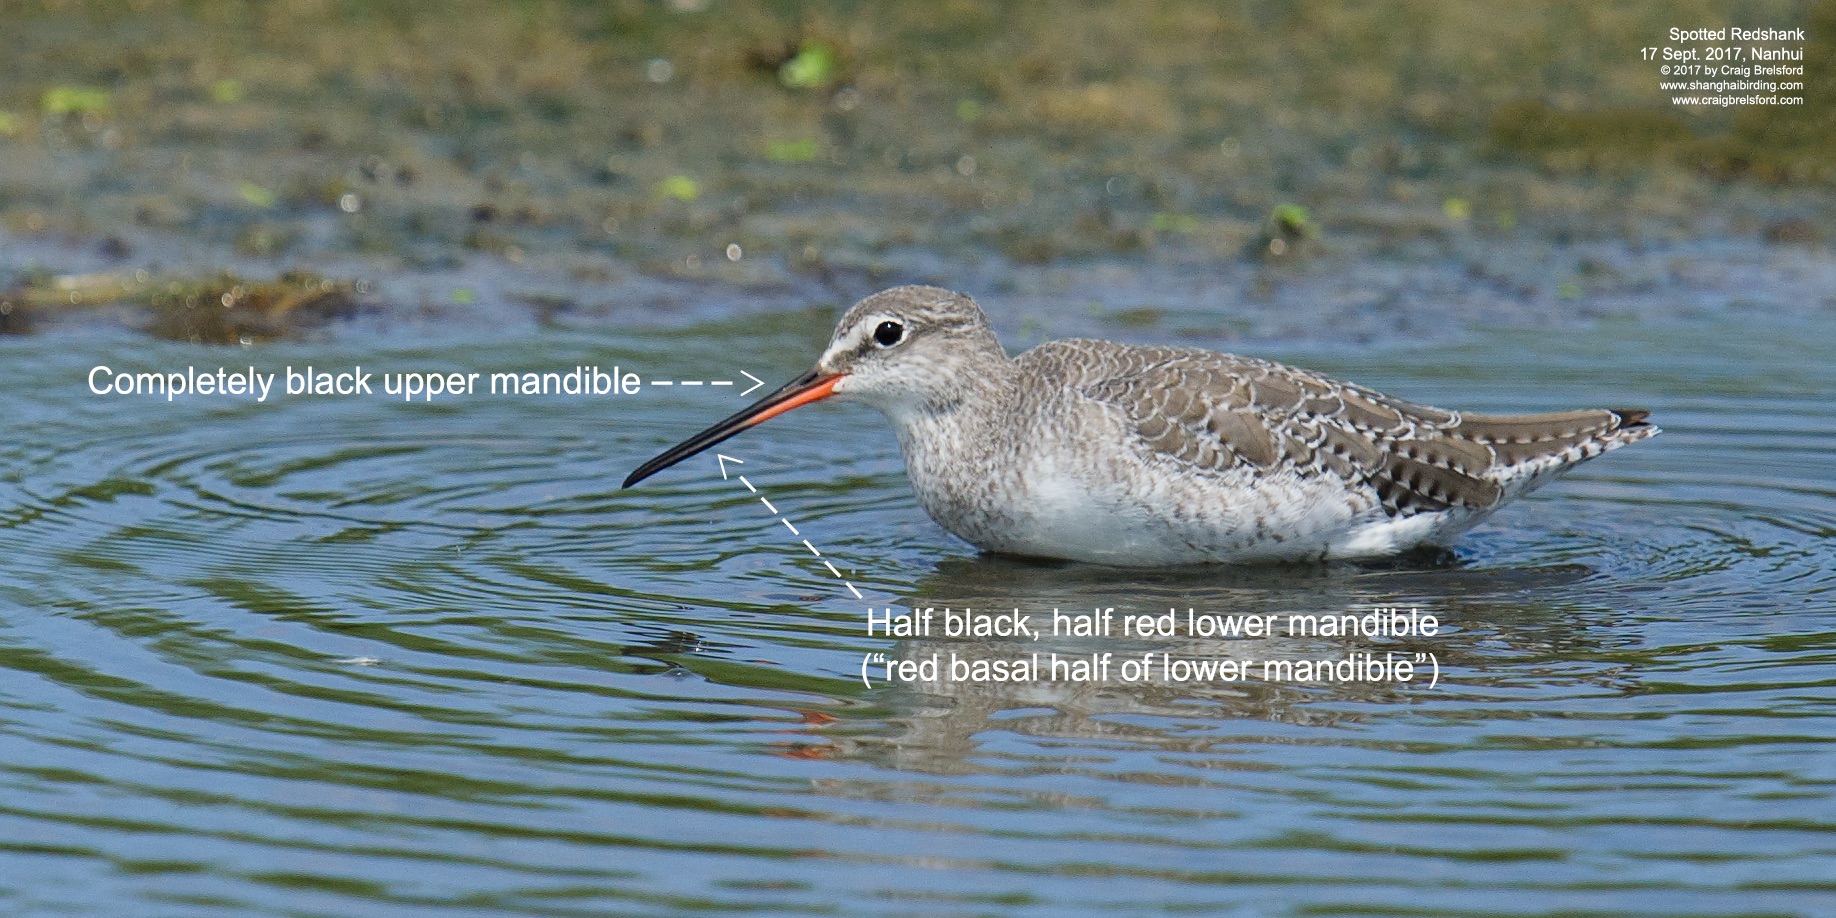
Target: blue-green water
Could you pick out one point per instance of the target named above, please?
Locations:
(353, 657)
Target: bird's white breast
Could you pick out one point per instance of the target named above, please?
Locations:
(1093, 498)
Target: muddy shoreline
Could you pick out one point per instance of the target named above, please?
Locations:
(1267, 172)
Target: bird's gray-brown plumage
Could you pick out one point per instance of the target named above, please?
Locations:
(1215, 412)
(1125, 454)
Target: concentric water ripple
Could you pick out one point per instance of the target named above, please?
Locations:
(340, 657)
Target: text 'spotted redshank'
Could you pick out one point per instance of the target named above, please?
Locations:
(1142, 455)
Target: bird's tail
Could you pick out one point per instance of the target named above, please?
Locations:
(1535, 446)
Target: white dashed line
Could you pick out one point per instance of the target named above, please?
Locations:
(791, 526)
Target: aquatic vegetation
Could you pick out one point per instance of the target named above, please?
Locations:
(217, 309)
(813, 67)
(226, 91)
(792, 151)
(255, 194)
(77, 100)
(643, 132)
(679, 187)
(1293, 221)
(1288, 232)
(1175, 223)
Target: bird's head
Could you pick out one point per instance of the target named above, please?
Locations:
(904, 350)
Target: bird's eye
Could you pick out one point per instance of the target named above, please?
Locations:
(888, 334)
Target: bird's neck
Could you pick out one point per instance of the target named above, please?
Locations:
(959, 444)
(975, 397)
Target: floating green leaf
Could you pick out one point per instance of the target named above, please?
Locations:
(226, 91)
(76, 100)
(812, 68)
(255, 194)
(1175, 223)
(1293, 220)
(680, 187)
(792, 151)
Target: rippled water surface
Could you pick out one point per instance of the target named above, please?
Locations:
(351, 657)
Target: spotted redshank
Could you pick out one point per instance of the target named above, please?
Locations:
(1131, 455)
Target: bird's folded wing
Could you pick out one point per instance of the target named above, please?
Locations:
(1225, 413)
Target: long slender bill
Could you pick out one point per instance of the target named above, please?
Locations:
(810, 387)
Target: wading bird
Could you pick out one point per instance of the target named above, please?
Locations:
(1142, 455)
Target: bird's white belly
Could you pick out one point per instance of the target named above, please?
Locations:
(1068, 510)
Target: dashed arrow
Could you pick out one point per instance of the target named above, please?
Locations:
(724, 459)
(756, 382)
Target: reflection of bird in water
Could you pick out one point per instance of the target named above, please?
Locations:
(1497, 633)
(1118, 454)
